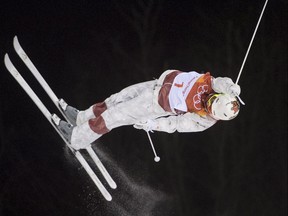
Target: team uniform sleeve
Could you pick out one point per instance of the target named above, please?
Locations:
(189, 122)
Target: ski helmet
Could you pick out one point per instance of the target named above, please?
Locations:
(222, 106)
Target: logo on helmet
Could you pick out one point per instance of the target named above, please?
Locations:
(235, 106)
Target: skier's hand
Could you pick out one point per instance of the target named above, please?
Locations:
(148, 125)
(225, 85)
(233, 90)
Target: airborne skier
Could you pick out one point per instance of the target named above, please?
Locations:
(177, 101)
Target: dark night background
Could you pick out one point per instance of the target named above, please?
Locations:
(88, 50)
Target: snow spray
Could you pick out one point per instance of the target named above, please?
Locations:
(130, 198)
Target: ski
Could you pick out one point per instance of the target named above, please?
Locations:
(24, 57)
(100, 166)
(14, 72)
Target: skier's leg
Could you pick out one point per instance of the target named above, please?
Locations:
(126, 94)
(129, 93)
(83, 136)
(129, 112)
(84, 115)
(124, 113)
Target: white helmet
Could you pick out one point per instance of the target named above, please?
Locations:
(222, 106)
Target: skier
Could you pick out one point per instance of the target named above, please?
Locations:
(177, 101)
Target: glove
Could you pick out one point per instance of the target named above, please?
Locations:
(226, 85)
(148, 125)
(233, 90)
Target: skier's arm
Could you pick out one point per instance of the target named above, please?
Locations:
(189, 122)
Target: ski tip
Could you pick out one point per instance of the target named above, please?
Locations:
(5, 57)
(16, 43)
(108, 198)
(6, 60)
(113, 185)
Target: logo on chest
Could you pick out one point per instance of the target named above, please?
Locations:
(198, 96)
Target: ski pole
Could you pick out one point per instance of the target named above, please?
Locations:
(239, 74)
(156, 158)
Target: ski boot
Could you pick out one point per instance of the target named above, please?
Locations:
(69, 111)
(64, 127)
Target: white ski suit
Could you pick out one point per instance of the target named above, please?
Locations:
(167, 104)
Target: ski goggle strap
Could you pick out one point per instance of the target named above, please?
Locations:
(210, 101)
